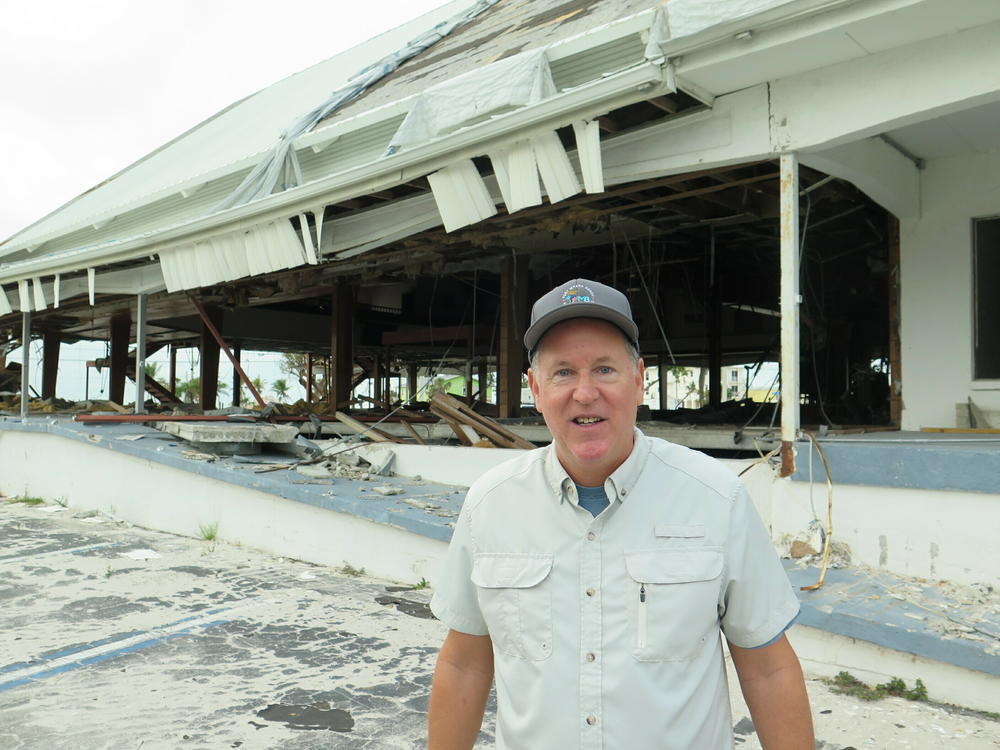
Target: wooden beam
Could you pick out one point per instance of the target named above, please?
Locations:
(665, 103)
(209, 361)
(513, 322)
(50, 362)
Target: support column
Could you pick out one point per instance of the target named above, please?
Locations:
(662, 369)
(309, 377)
(714, 324)
(238, 353)
(140, 354)
(483, 375)
(121, 325)
(209, 366)
(411, 381)
(789, 310)
(513, 322)
(25, 362)
(50, 362)
(341, 344)
(172, 369)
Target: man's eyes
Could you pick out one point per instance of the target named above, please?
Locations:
(602, 371)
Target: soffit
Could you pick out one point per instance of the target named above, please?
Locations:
(972, 131)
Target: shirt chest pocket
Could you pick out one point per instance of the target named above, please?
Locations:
(516, 601)
(674, 601)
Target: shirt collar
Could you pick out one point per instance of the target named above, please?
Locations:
(618, 486)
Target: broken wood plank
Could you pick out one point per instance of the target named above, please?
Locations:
(450, 408)
(372, 433)
(413, 433)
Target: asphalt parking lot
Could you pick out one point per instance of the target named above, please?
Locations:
(112, 636)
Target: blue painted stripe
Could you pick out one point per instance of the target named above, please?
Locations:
(103, 642)
(66, 550)
(10, 685)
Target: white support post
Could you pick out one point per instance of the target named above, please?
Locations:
(25, 361)
(140, 354)
(789, 310)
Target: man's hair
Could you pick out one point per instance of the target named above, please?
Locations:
(631, 348)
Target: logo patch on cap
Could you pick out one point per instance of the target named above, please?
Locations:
(578, 293)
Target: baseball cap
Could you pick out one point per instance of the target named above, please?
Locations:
(580, 298)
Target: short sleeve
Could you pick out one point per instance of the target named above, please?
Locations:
(455, 601)
(757, 602)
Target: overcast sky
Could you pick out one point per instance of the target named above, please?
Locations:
(87, 88)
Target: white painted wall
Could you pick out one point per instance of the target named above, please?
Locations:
(155, 496)
(936, 290)
(924, 533)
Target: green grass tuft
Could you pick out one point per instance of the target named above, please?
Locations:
(847, 684)
(25, 500)
(209, 531)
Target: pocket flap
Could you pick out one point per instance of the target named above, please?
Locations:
(510, 570)
(674, 565)
(686, 531)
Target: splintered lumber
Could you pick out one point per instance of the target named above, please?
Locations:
(413, 433)
(372, 433)
(452, 411)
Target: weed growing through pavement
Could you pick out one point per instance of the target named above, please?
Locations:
(61, 502)
(109, 572)
(25, 500)
(424, 584)
(209, 531)
(847, 684)
(350, 570)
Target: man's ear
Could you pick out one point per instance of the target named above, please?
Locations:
(640, 381)
(533, 385)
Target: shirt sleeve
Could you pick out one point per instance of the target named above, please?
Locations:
(757, 602)
(455, 601)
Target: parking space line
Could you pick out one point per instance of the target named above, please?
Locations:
(76, 657)
(68, 550)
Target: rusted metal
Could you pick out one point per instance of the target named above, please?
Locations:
(787, 459)
(222, 345)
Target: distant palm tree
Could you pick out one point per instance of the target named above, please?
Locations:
(280, 388)
(151, 369)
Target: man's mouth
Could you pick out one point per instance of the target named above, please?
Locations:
(588, 420)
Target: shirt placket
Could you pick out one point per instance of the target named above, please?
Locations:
(591, 640)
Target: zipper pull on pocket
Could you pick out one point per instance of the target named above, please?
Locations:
(641, 639)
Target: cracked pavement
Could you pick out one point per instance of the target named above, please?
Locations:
(112, 636)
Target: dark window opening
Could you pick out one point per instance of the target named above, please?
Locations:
(986, 299)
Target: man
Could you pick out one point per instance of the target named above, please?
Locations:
(593, 576)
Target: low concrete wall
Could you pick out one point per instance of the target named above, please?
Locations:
(924, 533)
(156, 496)
(827, 654)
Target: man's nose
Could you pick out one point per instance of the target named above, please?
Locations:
(585, 392)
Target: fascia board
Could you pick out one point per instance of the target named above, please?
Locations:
(634, 84)
(771, 29)
(800, 16)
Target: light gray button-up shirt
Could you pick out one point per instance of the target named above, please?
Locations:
(606, 630)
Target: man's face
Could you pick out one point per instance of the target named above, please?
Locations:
(587, 389)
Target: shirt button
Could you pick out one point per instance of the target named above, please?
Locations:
(591, 720)
(591, 592)
(624, 492)
(591, 536)
(591, 657)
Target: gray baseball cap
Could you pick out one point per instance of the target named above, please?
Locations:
(580, 298)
